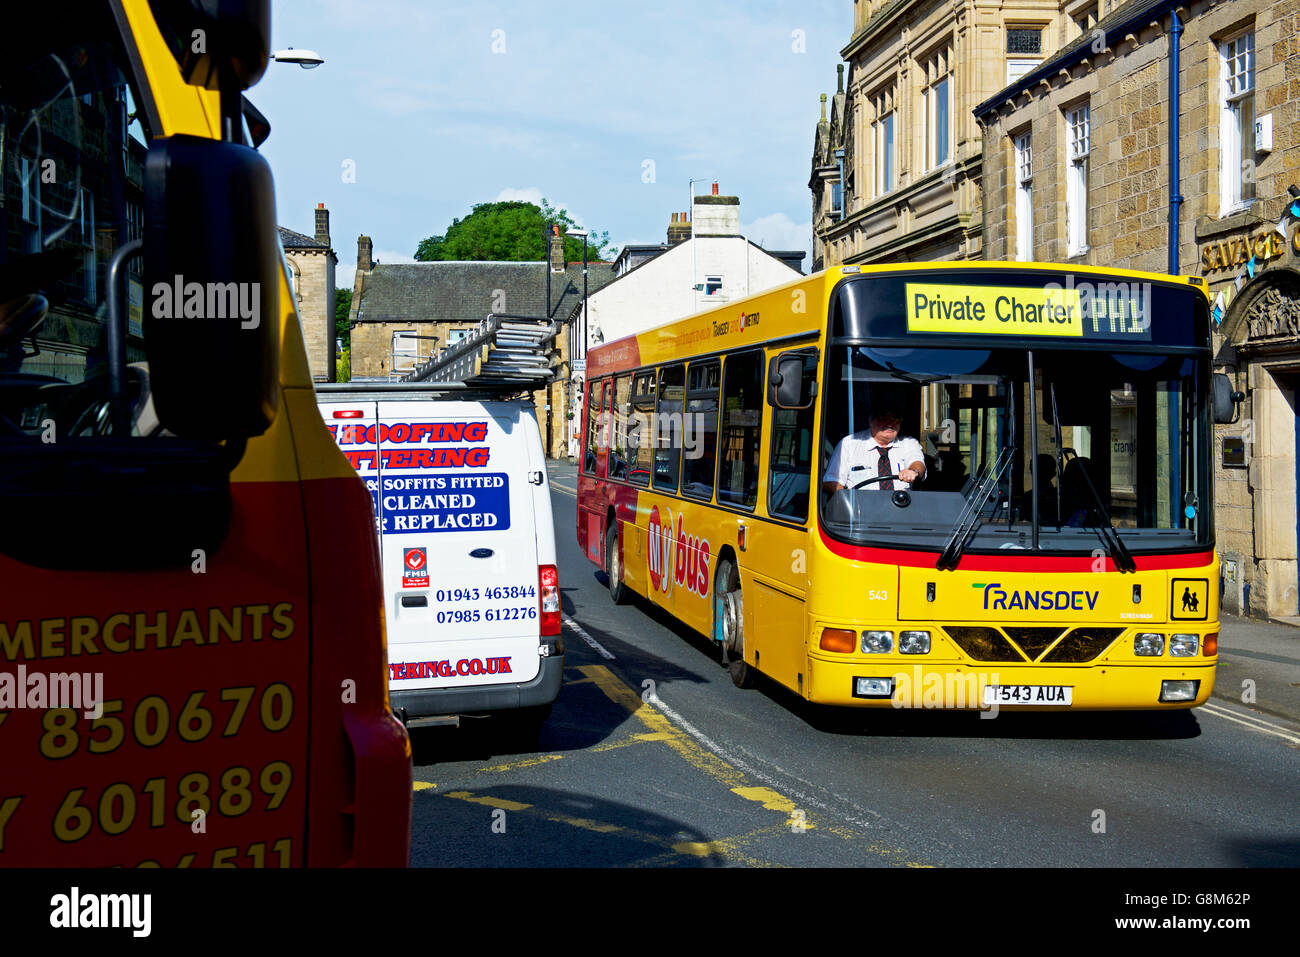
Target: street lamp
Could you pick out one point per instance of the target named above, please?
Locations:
(307, 59)
(695, 289)
(583, 234)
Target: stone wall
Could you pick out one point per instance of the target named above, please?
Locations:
(313, 272)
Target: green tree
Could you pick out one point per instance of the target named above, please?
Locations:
(343, 367)
(342, 307)
(509, 231)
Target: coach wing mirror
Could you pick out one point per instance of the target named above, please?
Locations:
(1225, 399)
(787, 385)
(217, 43)
(211, 288)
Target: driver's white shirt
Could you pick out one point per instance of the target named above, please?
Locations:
(856, 458)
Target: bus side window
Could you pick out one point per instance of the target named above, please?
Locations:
(592, 430)
(790, 475)
(742, 410)
(618, 427)
(640, 439)
(668, 427)
(700, 428)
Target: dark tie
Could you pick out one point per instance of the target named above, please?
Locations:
(883, 468)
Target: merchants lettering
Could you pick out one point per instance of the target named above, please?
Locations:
(143, 631)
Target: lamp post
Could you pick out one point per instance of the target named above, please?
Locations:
(583, 234)
(695, 288)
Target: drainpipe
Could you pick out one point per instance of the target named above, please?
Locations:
(1175, 197)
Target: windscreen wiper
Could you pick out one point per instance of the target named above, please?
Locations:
(1118, 550)
(970, 519)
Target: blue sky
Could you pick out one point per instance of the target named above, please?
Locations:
(438, 106)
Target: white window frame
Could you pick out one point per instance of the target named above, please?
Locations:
(1236, 130)
(938, 76)
(713, 279)
(1024, 171)
(1078, 138)
(886, 137)
(29, 184)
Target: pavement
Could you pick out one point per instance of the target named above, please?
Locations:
(1259, 661)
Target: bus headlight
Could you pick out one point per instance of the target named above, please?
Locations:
(1149, 645)
(1184, 646)
(1179, 690)
(914, 642)
(873, 687)
(877, 642)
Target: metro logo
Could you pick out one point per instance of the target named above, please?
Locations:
(676, 556)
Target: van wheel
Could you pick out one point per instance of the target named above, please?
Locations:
(729, 623)
(614, 568)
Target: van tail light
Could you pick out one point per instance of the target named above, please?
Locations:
(548, 582)
(348, 414)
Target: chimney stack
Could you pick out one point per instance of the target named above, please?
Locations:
(364, 263)
(322, 224)
(556, 251)
(839, 84)
(715, 187)
(679, 229)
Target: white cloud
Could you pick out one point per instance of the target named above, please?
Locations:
(393, 256)
(529, 194)
(779, 231)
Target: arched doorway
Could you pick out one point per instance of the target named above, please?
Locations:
(1258, 479)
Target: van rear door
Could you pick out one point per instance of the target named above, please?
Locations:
(458, 543)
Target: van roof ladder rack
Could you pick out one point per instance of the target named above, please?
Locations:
(502, 352)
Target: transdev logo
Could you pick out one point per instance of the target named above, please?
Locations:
(997, 598)
(415, 568)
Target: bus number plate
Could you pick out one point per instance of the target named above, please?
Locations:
(1029, 694)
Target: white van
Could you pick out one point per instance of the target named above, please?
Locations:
(471, 590)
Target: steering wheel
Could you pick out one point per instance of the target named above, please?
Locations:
(875, 478)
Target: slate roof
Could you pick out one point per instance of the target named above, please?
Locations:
(467, 291)
(294, 240)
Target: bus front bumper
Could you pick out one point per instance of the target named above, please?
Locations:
(957, 686)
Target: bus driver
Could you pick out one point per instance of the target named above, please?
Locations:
(878, 451)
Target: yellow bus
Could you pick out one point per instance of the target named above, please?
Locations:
(958, 485)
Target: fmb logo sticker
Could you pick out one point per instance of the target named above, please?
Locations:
(415, 568)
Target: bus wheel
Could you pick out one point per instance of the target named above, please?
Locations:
(614, 568)
(729, 629)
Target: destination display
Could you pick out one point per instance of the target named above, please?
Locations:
(1114, 311)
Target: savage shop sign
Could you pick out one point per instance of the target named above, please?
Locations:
(1237, 251)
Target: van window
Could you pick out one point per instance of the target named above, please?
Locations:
(742, 410)
(700, 428)
(668, 427)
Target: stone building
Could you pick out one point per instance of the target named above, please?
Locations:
(312, 263)
(1077, 169)
(896, 165)
(404, 313)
